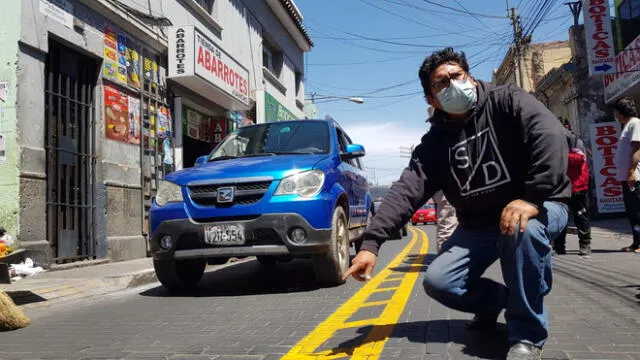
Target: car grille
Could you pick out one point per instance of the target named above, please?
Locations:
(244, 193)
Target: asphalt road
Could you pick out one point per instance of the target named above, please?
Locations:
(248, 311)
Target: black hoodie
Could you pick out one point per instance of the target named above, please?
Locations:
(511, 147)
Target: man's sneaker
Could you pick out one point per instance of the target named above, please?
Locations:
(585, 250)
(524, 351)
(559, 251)
(483, 322)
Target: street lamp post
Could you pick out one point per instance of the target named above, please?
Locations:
(314, 97)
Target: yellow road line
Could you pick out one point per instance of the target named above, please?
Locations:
(382, 326)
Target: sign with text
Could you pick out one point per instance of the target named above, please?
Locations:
(599, 37)
(604, 144)
(191, 54)
(627, 72)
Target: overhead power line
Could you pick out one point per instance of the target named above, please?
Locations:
(464, 11)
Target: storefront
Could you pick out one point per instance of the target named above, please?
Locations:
(211, 93)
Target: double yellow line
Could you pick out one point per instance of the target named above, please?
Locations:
(398, 283)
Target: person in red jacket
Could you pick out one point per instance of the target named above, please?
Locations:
(578, 173)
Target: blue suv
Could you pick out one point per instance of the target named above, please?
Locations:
(275, 191)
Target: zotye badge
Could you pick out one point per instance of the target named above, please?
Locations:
(225, 195)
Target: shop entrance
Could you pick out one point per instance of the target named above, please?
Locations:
(70, 80)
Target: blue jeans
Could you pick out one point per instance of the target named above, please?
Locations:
(454, 277)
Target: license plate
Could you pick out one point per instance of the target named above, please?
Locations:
(227, 234)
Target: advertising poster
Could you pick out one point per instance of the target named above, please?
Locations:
(219, 129)
(110, 70)
(122, 58)
(193, 124)
(133, 64)
(116, 119)
(150, 72)
(205, 129)
(134, 120)
(604, 140)
(164, 124)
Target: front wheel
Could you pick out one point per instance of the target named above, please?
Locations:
(331, 266)
(178, 275)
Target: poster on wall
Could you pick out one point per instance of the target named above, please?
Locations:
(150, 71)
(164, 123)
(193, 124)
(134, 120)
(110, 68)
(218, 129)
(133, 64)
(122, 58)
(116, 119)
(604, 139)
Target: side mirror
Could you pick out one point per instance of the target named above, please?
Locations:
(353, 151)
(201, 160)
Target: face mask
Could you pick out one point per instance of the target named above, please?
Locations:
(459, 97)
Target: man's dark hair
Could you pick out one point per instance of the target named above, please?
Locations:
(437, 58)
(626, 107)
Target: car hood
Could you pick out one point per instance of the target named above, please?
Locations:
(275, 167)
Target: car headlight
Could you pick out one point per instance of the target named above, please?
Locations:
(308, 183)
(168, 192)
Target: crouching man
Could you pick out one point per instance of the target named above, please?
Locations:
(498, 155)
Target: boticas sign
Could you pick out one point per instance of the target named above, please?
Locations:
(599, 37)
(604, 144)
(196, 61)
(627, 72)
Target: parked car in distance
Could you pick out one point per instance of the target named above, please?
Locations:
(424, 215)
(397, 235)
(276, 191)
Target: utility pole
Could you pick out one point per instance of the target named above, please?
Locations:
(517, 38)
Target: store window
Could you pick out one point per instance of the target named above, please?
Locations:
(629, 13)
(271, 58)
(298, 83)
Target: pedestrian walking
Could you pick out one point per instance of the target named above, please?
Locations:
(578, 172)
(627, 161)
(446, 219)
(493, 151)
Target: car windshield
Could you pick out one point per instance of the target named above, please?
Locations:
(429, 206)
(302, 137)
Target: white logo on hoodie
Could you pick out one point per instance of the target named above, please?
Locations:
(479, 152)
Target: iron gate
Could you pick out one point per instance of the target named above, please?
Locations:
(69, 130)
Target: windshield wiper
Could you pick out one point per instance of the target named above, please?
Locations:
(223, 157)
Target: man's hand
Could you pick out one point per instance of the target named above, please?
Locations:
(361, 266)
(517, 211)
(631, 178)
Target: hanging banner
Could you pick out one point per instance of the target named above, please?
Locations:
(604, 140)
(599, 37)
(116, 114)
(134, 120)
(122, 58)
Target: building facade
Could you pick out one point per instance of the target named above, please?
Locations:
(97, 106)
(537, 61)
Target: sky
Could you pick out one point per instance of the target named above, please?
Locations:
(373, 49)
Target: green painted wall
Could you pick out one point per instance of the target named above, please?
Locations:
(9, 175)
